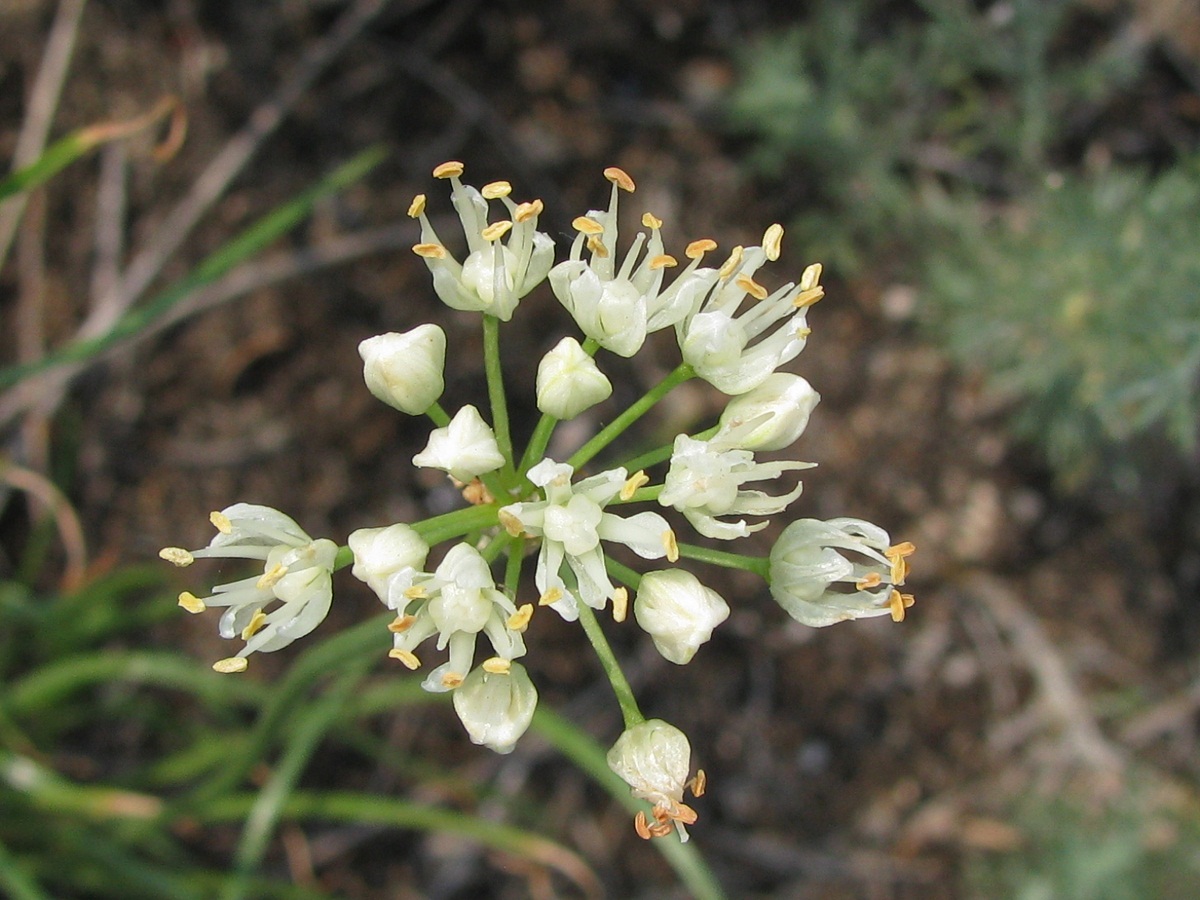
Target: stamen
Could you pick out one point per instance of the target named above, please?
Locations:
(191, 602)
(699, 784)
(451, 169)
(476, 494)
(496, 230)
(416, 592)
(417, 206)
(670, 545)
(254, 625)
(868, 581)
(663, 261)
(494, 190)
(526, 211)
(176, 556)
(401, 624)
(896, 602)
(451, 680)
(271, 577)
(619, 178)
(519, 620)
(808, 297)
(596, 246)
(683, 813)
(802, 332)
(552, 595)
(772, 241)
(511, 523)
(430, 251)
(221, 522)
(697, 249)
(230, 665)
(896, 556)
(620, 604)
(751, 287)
(811, 277)
(587, 226)
(735, 260)
(642, 826)
(497, 665)
(635, 481)
(405, 656)
(651, 221)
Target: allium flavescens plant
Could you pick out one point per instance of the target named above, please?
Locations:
(733, 332)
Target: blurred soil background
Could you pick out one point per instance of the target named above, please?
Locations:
(1029, 731)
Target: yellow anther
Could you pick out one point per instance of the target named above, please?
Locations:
(416, 592)
(802, 332)
(401, 624)
(177, 556)
(494, 190)
(254, 625)
(650, 220)
(407, 657)
(271, 576)
(451, 169)
(497, 666)
(511, 523)
(811, 277)
(682, 813)
(221, 522)
(868, 581)
(230, 665)
(477, 494)
(735, 260)
(899, 603)
(620, 602)
(642, 826)
(430, 251)
(896, 556)
(699, 783)
(191, 602)
(519, 620)
(751, 287)
(663, 261)
(496, 230)
(773, 241)
(596, 246)
(671, 545)
(526, 211)
(417, 206)
(619, 178)
(552, 595)
(587, 225)
(697, 249)
(451, 680)
(808, 297)
(635, 481)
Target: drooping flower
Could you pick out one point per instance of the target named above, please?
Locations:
(466, 448)
(618, 307)
(769, 417)
(827, 572)
(571, 522)
(678, 612)
(296, 575)
(705, 481)
(404, 370)
(381, 554)
(654, 758)
(496, 705)
(569, 381)
(496, 273)
(736, 352)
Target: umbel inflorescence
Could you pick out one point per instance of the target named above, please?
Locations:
(732, 331)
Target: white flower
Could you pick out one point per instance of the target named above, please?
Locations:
(654, 759)
(705, 481)
(769, 417)
(571, 522)
(465, 448)
(380, 554)
(678, 612)
(496, 707)
(618, 307)
(569, 381)
(496, 274)
(404, 370)
(457, 601)
(827, 572)
(296, 573)
(735, 353)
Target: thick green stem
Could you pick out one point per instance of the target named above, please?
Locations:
(617, 426)
(538, 441)
(591, 627)
(512, 569)
(622, 573)
(759, 565)
(453, 524)
(438, 415)
(495, 384)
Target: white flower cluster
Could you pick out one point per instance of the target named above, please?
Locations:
(731, 331)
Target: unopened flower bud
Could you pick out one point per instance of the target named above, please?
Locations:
(770, 417)
(678, 612)
(381, 553)
(569, 381)
(496, 707)
(465, 448)
(405, 370)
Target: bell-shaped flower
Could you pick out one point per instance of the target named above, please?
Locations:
(769, 417)
(381, 554)
(404, 370)
(678, 612)
(466, 448)
(736, 352)
(505, 259)
(296, 575)
(654, 758)
(496, 705)
(827, 572)
(617, 306)
(571, 522)
(705, 481)
(457, 602)
(569, 381)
